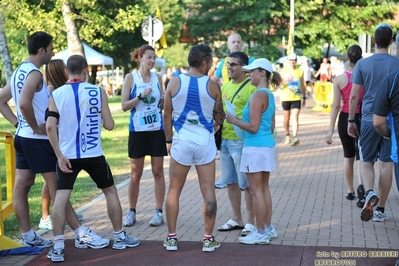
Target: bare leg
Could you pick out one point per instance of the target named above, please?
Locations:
(70, 215)
(368, 175)
(46, 199)
(114, 208)
(234, 193)
(287, 114)
(159, 180)
(250, 206)
(24, 179)
(258, 192)
(359, 176)
(206, 177)
(58, 213)
(177, 176)
(348, 174)
(385, 182)
(137, 166)
(295, 122)
(268, 198)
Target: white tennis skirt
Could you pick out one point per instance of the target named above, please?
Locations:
(258, 159)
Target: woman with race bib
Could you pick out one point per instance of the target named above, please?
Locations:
(142, 95)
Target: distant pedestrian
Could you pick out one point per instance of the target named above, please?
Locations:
(293, 98)
(307, 75)
(324, 71)
(192, 104)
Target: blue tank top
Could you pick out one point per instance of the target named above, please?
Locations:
(263, 137)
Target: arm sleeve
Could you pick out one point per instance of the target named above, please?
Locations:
(356, 76)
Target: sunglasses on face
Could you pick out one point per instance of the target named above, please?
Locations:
(233, 64)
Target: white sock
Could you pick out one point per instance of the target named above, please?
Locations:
(30, 235)
(120, 234)
(81, 231)
(59, 242)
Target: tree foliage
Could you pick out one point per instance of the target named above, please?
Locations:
(212, 21)
(264, 23)
(111, 27)
(337, 22)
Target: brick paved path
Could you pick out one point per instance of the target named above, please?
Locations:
(308, 193)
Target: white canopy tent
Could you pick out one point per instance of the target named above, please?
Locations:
(93, 57)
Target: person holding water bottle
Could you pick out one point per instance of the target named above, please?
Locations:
(142, 95)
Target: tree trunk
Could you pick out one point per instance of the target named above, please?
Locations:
(327, 55)
(74, 43)
(5, 53)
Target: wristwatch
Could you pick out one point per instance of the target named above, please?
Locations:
(139, 96)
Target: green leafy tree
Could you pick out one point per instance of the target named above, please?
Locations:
(111, 27)
(337, 22)
(265, 23)
(212, 21)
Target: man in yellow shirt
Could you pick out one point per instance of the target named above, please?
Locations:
(293, 89)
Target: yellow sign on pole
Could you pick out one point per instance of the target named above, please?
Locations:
(162, 44)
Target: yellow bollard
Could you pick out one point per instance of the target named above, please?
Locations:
(7, 208)
(324, 96)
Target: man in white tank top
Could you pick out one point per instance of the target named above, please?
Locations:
(34, 152)
(192, 105)
(77, 145)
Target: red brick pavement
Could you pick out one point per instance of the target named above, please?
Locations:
(308, 192)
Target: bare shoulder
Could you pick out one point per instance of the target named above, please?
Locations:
(129, 76)
(214, 87)
(341, 80)
(260, 94)
(173, 86)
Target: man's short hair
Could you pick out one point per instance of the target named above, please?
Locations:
(38, 40)
(76, 64)
(234, 34)
(241, 57)
(198, 53)
(383, 36)
(397, 40)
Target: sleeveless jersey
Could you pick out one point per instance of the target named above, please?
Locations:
(39, 101)
(146, 115)
(193, 110)
(263, 137)
(346, 92)
(79, 129)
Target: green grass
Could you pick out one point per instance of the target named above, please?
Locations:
(115, 150)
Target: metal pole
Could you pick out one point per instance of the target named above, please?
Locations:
(292, 23)
(151, 31)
